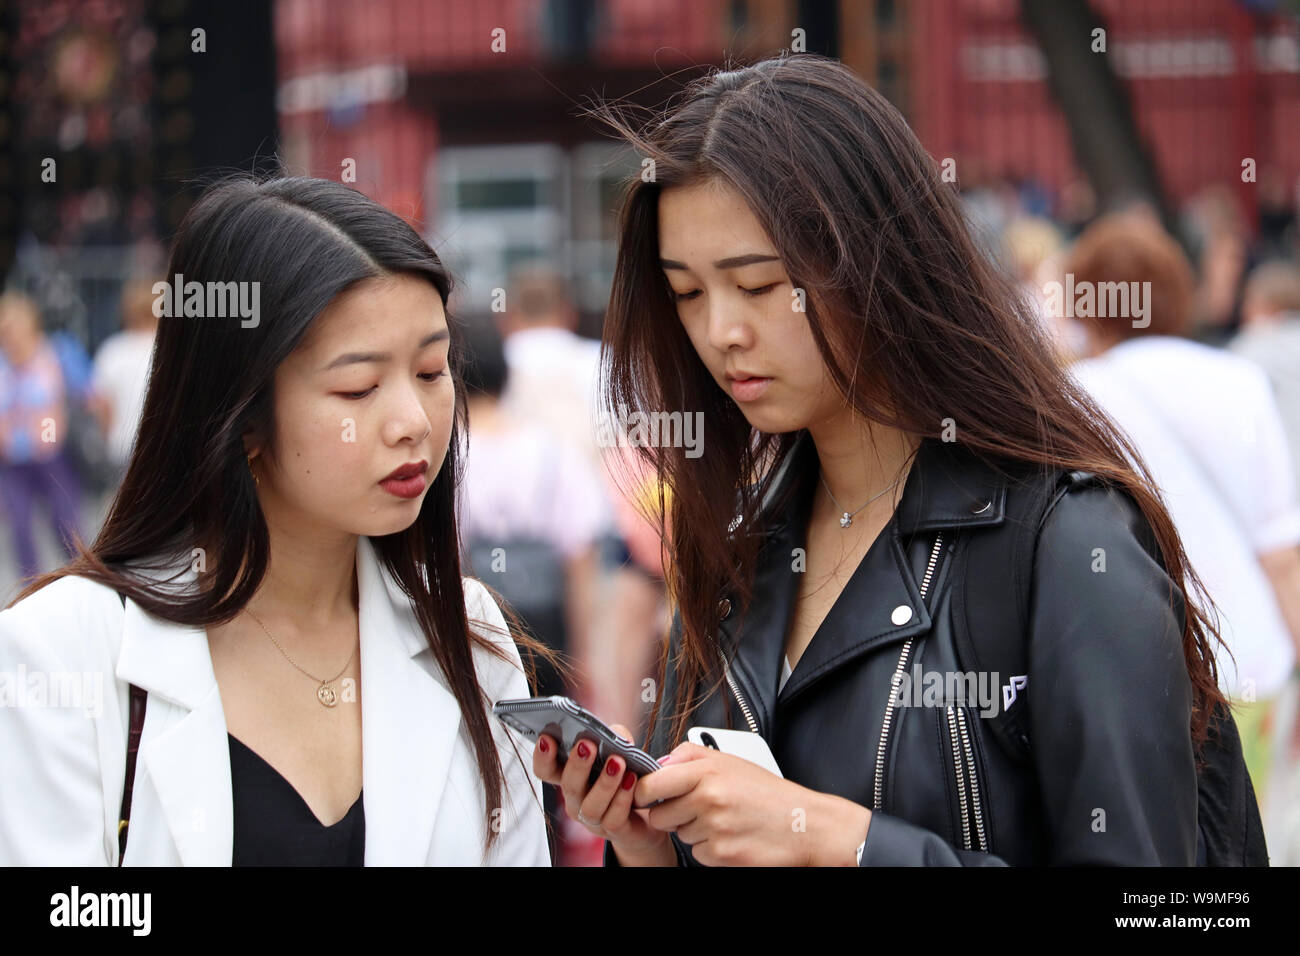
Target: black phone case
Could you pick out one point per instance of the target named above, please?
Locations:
(564, 721)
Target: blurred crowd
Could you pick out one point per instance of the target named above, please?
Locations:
(1206, 384)
(1200, 367)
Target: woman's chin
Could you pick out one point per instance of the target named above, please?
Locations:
(377, 526)
(771, 421)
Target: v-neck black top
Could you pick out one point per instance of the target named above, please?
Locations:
(274, 826)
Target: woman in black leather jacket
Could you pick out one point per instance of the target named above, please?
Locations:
(877, 403)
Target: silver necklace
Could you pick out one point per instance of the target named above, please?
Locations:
(846, 517)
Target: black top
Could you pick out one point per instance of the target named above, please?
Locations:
(275, 827)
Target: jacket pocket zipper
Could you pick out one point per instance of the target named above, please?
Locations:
(895, 682)
(963, 759)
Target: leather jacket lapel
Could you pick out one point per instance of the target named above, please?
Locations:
(881, 604)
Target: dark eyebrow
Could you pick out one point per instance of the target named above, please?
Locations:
(735, 262)
(349, 358)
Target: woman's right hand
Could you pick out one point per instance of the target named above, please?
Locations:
(606, 807)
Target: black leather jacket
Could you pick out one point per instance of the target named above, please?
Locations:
(1112, 779)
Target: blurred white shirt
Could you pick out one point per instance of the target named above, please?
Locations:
(522, 481)
(1207, 426)
(1276, 349)
(554, 375)
(121, 375)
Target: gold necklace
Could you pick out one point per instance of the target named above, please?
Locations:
(325, 692)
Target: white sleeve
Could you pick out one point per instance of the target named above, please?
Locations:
(51, 798)
(1274, 518)
(521, 839)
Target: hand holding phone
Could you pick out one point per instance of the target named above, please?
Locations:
(567, 723)
(596, 786)
(740, 743)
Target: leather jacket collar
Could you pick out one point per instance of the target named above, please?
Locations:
(881, 604)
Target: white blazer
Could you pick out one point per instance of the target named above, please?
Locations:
(63, 766)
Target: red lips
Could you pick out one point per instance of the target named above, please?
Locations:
(409, 470)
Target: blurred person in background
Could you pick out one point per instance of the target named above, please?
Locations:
(1278, 235)
(1216, 222)
(1076, 206)
(121, 372)
(84, 441)
(1209, 429)
(553, 378)
(636, 620)
(1270, 337)
(34, 463)
(553, 370)
(531, 512)
(1033, 246)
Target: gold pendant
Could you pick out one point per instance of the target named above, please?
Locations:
(325, 694)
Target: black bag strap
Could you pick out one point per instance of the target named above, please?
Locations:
(138, 701)
(992, 640)
(991, 600)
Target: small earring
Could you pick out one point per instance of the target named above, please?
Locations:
(256, 480)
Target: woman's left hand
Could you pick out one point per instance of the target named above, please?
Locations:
(733, 812)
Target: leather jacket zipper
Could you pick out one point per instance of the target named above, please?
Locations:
(977, 812)
(896, 681)
(744, 707)
(963, 761)
(959, 767)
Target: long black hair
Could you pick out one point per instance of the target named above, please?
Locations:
(916, 329)
(188, 485)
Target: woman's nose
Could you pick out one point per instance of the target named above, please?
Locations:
(410, 420)
(727, 328)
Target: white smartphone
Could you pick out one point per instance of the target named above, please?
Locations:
(738, 743)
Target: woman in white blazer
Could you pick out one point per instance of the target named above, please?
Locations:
(289, 506)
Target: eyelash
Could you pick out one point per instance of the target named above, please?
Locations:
(752, 293)
(357, 396)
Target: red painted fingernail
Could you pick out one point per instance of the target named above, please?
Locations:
(543, 746)
(629, 779)
(612, 768)
(583, 750)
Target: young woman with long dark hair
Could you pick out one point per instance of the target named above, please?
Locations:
(279, 574)
(881, 412)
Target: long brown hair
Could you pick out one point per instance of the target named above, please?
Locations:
(305, 241)
(915, 326)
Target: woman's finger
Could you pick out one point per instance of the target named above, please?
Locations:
(574, 776)
(618, 815)
(595, 805)
(544, 763)
(671, 814)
